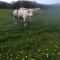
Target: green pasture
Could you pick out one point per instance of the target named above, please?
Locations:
(38, 41)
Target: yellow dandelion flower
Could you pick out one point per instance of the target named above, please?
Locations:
(11, 54)
(16, 57)
(7, 57)
(17, 52)
(38, 50)
(32, 59)
(21, 52)
(7, 53)
(23, 59)
(46, 49)
(43, 53)
(58, 53)
(35, 45)
(26, 56)
(47, 55)
(29, 55)
(32, 46)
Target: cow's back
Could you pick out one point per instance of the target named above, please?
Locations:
(22, 12)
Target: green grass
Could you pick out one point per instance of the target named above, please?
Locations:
(38, 41)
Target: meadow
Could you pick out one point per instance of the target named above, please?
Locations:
(38, 41)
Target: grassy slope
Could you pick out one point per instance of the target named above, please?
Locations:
(39, 41)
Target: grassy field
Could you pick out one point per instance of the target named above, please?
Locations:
(38, 41)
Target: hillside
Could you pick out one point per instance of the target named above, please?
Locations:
(4, 4)
(26, 4)
(56, 5)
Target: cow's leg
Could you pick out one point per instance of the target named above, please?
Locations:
(16, 19)
(30, 20)
(24, 21)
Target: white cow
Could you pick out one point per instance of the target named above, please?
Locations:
(24, 13)
(33, 10)
(22, 8)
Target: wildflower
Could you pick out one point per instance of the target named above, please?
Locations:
(7, 57)
(58, 53)
(47, 55)
(7, 53)
(32, 46)
(35, 45)
(16, 57)
(11, 54)
(29, 55)
(21, 52)
(38, 50)
(43, 53)
(26, 56)
(23, 59)
(32, 59)
(17, 52)
(46, 49)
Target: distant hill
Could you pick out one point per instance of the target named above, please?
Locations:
(26, 4)
(29, 4)
(4, 4)
(54, 6)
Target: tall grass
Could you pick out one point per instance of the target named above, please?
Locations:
(38, 41)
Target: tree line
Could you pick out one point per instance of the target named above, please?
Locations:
(18, 4)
